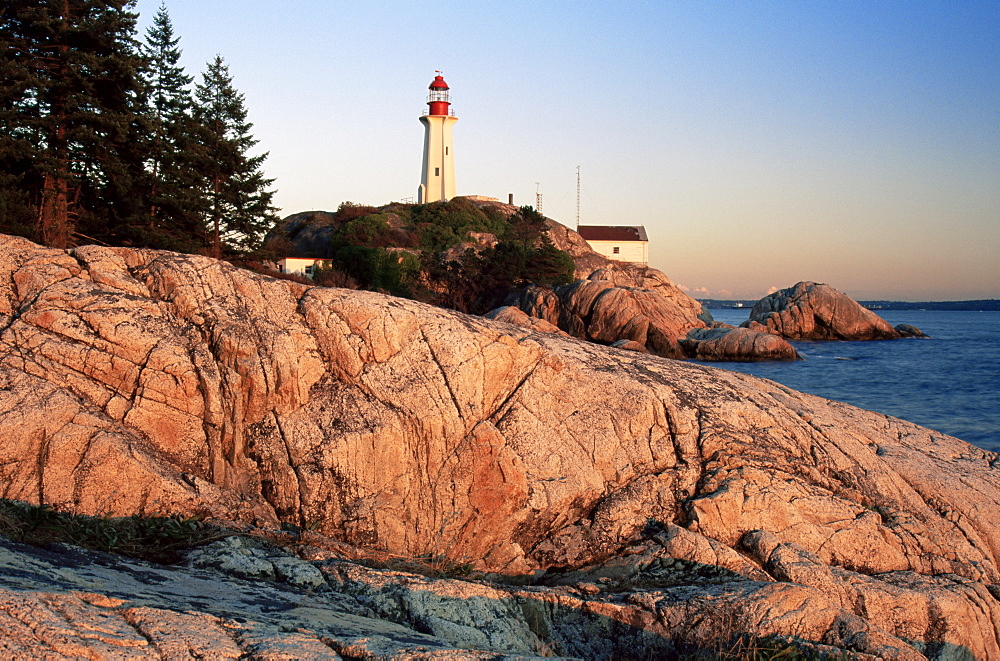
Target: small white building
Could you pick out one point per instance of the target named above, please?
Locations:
(301, 265)
(618, 242)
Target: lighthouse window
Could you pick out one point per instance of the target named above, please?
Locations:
(437, 172)
(445, 151)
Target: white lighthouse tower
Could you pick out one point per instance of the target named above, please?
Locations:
(437, 176)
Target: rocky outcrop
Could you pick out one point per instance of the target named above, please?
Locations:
(906, 330)
(512, 315)
(600, 311)
(68, 603)
(136, 381)
(305, 234)
(736, 344)
(633, 304)
(642, 307)
(811, 311)
(65, 602)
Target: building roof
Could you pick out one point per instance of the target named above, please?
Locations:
(612, 232)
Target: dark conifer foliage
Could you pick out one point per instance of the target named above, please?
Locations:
(68, 106)
(239, 210)
(173, 217)
(101, 138)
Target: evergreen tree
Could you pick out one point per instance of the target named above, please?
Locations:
(238, 207)
(68, 107)
(173, 217)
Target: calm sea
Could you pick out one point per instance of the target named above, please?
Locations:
(950, 382)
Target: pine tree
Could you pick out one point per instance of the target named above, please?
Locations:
(68, 106)
(173, 216)
(238, 203)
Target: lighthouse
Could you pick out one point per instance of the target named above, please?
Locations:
(437, 175)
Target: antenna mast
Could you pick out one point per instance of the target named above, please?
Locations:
(578, 198)
(538, 198)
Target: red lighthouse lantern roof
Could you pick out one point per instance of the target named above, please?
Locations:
(438, 83)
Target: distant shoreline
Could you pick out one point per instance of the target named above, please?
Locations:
(989, 304)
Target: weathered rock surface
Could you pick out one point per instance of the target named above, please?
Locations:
(512, 315)
(811, 311)
(308, 234)
(650, 314)
(137, 381)
(906, 330)
(740, 344)
(67, 603)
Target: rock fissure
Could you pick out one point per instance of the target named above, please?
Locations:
(459, 409)
(499, 412)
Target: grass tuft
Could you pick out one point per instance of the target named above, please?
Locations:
(155, 538)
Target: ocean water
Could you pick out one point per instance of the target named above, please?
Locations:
(950, 382)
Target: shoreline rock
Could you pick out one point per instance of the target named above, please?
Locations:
(137, 382)
(814, 311)
(657, 318)
(736, 344)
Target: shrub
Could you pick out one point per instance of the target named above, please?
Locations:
(369, 230)
(442, 225)
(348, 211)
(379, 269)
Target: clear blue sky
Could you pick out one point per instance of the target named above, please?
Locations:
(855, 143)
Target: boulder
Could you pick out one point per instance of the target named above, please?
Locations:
(654, 316)
(736, 344)
(906, 330)
(512, 315)
(812, 311)
(140, 381)
(630, 345)
(599, 309)
(305, 234)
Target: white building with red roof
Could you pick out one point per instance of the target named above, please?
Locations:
(619, 242)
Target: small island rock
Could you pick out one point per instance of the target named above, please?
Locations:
(736, 344)
(814, 311)
(906, 330)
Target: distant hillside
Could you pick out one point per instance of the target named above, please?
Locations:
(719, 304)
(982, 304)
(990, 304)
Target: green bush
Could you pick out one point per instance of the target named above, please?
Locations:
(348, 211)
(379, 269)
(442, 225)
(370, 230)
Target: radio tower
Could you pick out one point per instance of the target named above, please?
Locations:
(538, 198)
(578, 198)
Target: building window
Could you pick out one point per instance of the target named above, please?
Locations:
(445, 151)
(437, 172)
(616, 250)
(309, 271)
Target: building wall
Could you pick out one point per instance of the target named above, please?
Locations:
(300, 265)
(627, 251)
(437, 174)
